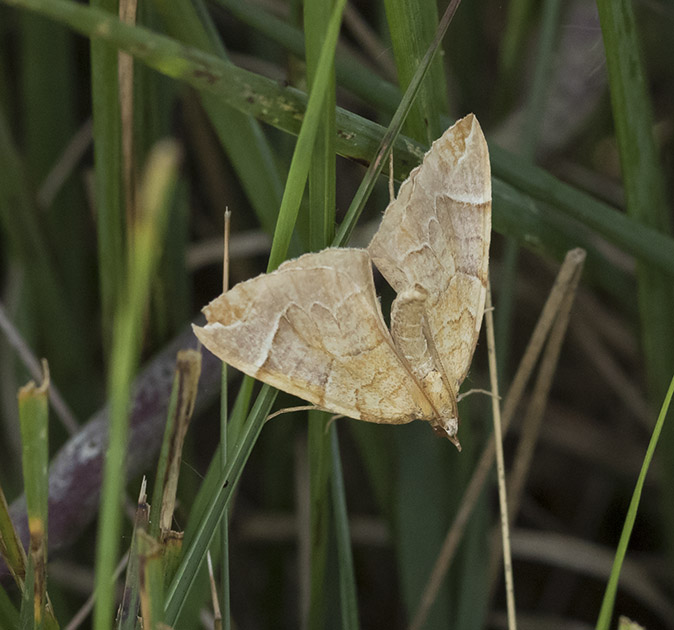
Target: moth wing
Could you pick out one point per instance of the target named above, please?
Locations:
(314, 328)
(436, 233)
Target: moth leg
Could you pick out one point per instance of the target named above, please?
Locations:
(460, 397)
(280, 412)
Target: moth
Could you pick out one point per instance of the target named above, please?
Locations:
(314, 327)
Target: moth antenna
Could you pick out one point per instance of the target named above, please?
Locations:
(335, 417)
(391, 191)
(225, 257)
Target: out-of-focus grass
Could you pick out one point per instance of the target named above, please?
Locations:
(71, 265)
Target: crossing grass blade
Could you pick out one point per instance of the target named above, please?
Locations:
(606, 612)
(295, 185)
(321, 211)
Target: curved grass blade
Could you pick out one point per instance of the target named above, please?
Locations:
(606, 612)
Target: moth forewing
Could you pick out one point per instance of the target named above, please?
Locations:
(435, 236)
(314, 327)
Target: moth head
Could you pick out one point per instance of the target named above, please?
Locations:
(448, 428)
(445, 420)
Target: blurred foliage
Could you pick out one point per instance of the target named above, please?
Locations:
(535, 74)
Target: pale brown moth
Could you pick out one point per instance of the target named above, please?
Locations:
(314, 327)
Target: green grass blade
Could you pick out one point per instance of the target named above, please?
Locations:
(347, 576)
(150, 566)
(412, 25)
(195, 552)
(357, 138)
(24, 231)
(302, 156)
(512, 45)
(646, 201)
(225, 588)
(320, 471)
(630, 235)
(606, 612)
(351, 73)
(147, 234)
(8, 612)
(387, 140)
(643, 181)
(322, 184)
(34, 421)
(322, 177)
(11, 549)
(537, 100)
(239, 133)
(107, 163)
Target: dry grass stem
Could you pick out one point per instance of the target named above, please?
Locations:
(531, 425)
(369, 42)
(591, 559)
(31, 363)
(80, 616)
(500, 465)
(64, 165)
(613, 374)
(512, 400)
(217, 615)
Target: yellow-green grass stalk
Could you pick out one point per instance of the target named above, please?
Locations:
(34, 422)
(146, 236)
(606, 611)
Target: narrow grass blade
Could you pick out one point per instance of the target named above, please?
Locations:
(322, 184)
(224, 430)
(131, 596)
(146, 238)
(347, 577)
(351, 73)
(606, 612)
(357, 138)
(412, 25)
(107, 163)
(322, 177)
(28, 243)
(33, 417)
(537, 99)
(386, 143)
(301, 160)
(239, 133)
(195, 552)
(11, 549)
(8, 613)
(646, 198)
(320, 470)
